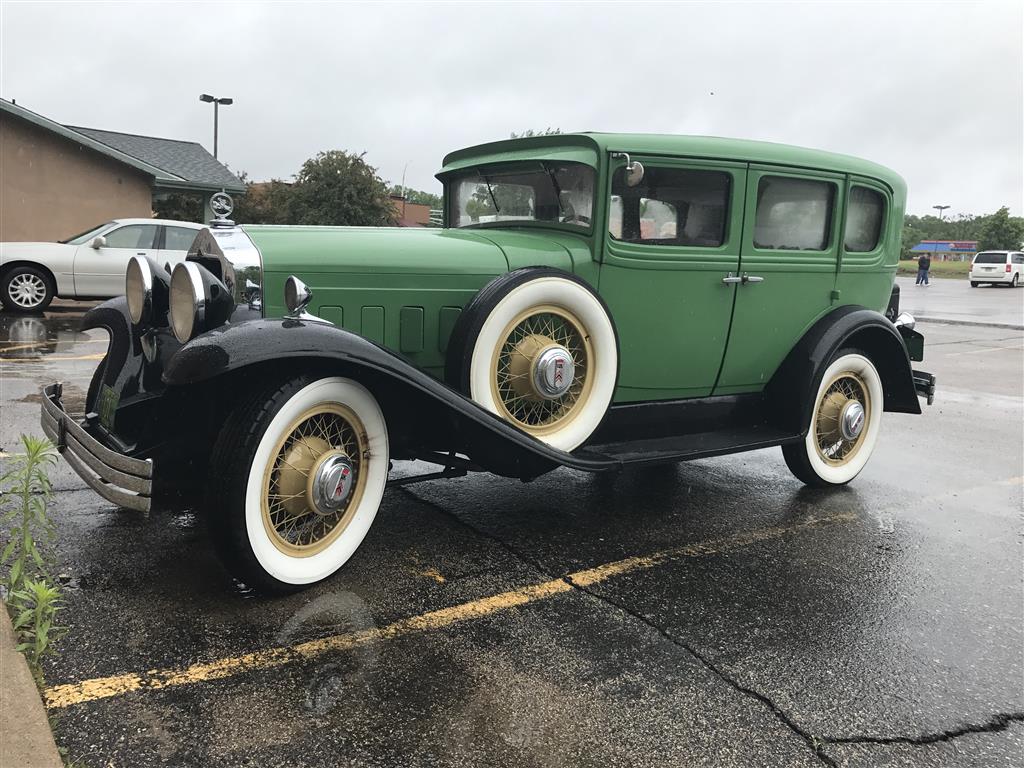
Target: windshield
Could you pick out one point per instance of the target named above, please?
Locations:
(86, 236)
(558, 193)
(990, 258)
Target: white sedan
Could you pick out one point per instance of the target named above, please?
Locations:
(90, 265)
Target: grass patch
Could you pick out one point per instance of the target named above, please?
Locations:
(954, 269)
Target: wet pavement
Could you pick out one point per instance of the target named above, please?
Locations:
(953, 300)
(711, 613)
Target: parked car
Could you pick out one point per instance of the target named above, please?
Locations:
(997, 268)
(90, 265)
(594, 301)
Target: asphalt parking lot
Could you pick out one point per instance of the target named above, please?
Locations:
(711, 613)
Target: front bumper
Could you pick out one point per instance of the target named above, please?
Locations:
(119, 479)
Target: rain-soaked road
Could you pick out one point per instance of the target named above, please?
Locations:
(712, 613)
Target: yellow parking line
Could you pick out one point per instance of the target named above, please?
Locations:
(60, 696)
(49, 359)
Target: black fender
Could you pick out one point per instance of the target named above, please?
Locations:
(792, 389)
(423, 414)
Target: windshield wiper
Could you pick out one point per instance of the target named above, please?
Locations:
(556, 187)
(490, 191)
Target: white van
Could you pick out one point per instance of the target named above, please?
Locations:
(997, 268)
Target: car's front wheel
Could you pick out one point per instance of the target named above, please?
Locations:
(297, 476)
(26, 289)
(844, 425)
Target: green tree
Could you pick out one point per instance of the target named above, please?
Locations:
(265, 202)
(340, 188)
(1001, 232)
(531, 132)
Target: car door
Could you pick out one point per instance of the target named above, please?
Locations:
(175, 243)
(670, 241)
(99, 272)
(787, 268)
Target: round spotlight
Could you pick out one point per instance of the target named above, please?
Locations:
(187, 300)
(138, 288)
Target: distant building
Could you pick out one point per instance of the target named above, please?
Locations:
(947, 250)
(411, 214)
(58, 180)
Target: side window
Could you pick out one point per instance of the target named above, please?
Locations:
(864, 214)
(670, 206)
(132, 236)
(1018, 258)
(793, 214)
(179, 238)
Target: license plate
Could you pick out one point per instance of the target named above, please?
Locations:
(106, 405)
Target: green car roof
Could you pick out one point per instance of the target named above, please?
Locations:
(589, 147)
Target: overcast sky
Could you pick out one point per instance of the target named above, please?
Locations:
(933, 90)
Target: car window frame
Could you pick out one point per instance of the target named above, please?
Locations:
(659, 255)
(163, 235)
(153, 247)
(874, 257)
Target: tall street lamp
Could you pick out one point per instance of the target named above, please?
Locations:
(939, 208)
(216, 106)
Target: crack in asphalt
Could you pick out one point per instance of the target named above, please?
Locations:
(814, 743)
(995, 724)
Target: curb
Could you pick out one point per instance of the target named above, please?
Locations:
(949, 321)
(25, 736)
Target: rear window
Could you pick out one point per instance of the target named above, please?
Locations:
(990, 258)
(793, 214)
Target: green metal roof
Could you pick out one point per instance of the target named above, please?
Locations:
(705, 147)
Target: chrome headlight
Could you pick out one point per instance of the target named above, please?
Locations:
(198, 301)
(138, 288)
(187, 300)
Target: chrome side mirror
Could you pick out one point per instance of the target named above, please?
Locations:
(905, 320)
(98, 242)
(634, 169)
(296, 295)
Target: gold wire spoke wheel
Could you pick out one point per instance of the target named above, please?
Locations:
(519, 346)
(835, 447)
(294, 523)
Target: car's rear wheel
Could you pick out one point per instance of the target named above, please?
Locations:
(974, 283)
(1014, 281)
(26, 289)
(298, 474)
(844, 425)
(537, 348)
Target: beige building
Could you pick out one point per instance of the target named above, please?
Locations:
(58, 180)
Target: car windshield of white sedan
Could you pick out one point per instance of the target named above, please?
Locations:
(557, 193)
(88, 235)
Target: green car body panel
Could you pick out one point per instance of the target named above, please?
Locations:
(682, 332)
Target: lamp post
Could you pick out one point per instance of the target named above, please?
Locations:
(216, 106)
(939, 208)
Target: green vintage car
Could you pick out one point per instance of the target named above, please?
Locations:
(594, 301)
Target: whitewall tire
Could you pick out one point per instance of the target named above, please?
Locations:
(538, 349)
(844, 424)
(308, 475)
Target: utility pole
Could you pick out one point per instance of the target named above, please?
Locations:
(216, 107)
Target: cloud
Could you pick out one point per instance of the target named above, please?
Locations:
(933, 91)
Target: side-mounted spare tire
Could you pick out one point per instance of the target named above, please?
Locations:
(538, 348)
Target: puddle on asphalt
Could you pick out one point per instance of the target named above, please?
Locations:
(36, 336)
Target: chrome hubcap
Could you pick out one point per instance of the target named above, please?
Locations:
(26, 291)
(331, 483)
(553, 372)
(851, 421)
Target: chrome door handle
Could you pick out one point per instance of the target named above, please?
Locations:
(752, 278)
(731, 278)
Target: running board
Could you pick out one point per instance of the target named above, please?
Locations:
(662, 450)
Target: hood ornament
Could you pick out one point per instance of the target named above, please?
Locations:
(222, 205)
